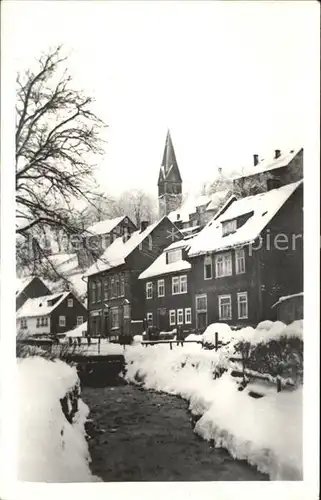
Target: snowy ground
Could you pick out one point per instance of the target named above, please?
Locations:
(267, 432)
(50, 448)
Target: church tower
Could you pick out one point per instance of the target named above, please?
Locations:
(169, 181)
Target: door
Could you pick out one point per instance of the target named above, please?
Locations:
(201, 311)
(162, 319)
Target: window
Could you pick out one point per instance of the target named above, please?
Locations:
(113, 288)
(149, 317)
(62, 320)
(80, 320)
(188, 315)
(106, 289)
(117, 287)
(180, 316)
(149, 290)
(23, 323)
(201, 303)
(38, 322)
(172, 317)
(175, 285)
(242, 305)
(223, 265)
(183, 284)
(240, 261)
(93, 292)
(208, 267)
(98, 291)
(70, 303)
(229, 227)
(179, 284)
(150, 242)
(41, 321)
(225, 307)
(122, 286)
(114, 317)
(126, 311)
(160, 288)
(174, 255)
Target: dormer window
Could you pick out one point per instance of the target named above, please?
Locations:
(273, 183)
(229, 227)
(174, 255)
(150, 243)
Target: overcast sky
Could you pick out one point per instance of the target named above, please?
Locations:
(228, 79)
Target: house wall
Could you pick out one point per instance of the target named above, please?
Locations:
(227, 285)
(281, 255)
(141, 258)
(168, 302)
(32, 328)
(270, 270)
(71, 314)
(36, 288)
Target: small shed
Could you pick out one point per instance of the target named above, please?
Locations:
(289, 308)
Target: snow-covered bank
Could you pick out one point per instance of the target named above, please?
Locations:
(50, 449)
(267, 432)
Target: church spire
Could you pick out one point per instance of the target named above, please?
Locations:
(169, 180)
(169, 158)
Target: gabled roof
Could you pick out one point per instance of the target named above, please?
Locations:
(22, 283)
(263, 207)
(270, 163)
(104, 226)
(119, 250)
(39, 306)
(159, 266)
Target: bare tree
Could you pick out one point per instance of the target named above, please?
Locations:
(138, 206)
(57, 135)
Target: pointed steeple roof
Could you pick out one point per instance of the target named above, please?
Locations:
(169, 160)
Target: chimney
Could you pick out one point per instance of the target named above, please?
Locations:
(143, 225)
(277, 153)
(220, 170)
(256, 159)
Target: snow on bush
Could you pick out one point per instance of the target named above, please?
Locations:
(50, 448)
(267, 432)
(222, 329)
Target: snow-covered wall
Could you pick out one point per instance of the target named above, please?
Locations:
(50, 449)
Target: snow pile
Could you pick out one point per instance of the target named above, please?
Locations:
(267, 432)
(223, 330)
(78, 331)
(50, 448)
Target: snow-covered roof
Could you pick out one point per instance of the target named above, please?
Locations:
(269, 163)
(263, 207)
(39, 305)
(104, 226)
(217, 199)
(189, 207)
(159, 266)
(287, 297)
(116, 253)
(210, 201)
(77, 332)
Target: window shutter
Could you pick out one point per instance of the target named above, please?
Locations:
(166, 257)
